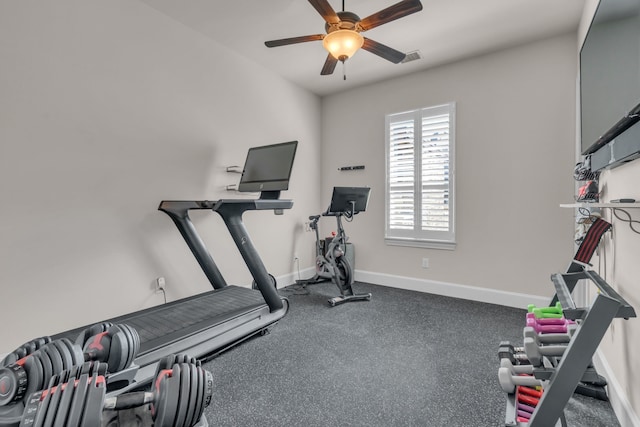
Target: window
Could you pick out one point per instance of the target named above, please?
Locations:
(420, 176)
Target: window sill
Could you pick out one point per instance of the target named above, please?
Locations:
(415, 243)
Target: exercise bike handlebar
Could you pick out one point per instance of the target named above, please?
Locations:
(341, 213)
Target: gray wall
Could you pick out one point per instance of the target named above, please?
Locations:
(107, 108)
(515, 127)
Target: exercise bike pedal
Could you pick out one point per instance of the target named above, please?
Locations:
(347, 298)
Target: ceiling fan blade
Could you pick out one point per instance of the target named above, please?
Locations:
(324, 8)
(294, 40)
(329, 65)
(383, 51)
(396, 11)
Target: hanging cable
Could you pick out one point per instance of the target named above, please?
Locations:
(628, 220)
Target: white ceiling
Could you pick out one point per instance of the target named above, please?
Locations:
(444, 31)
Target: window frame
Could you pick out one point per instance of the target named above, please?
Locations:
(417, 237)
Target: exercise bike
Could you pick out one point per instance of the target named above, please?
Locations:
(333, 264)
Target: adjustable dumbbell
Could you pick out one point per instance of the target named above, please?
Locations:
(72, 398)
(177, 399)
(40, 359)
(546, 312)
(514, 354)
(33, 371)
(182, 390)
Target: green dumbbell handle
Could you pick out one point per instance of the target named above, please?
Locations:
(554, 311)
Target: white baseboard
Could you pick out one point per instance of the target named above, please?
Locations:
(618, 398)
(288, 279)
(492, 296)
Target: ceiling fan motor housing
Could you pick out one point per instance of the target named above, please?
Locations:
(348, 21)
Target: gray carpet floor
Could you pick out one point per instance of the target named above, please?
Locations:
(402, 359)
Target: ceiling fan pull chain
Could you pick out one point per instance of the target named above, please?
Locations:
(344, 69)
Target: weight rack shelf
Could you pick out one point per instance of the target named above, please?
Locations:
(593, 323)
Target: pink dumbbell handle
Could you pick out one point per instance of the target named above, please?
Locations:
(541, 329)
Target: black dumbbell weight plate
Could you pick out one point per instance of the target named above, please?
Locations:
(47, 367)
(64, 406)
(193, 395)
(92, 410)
(184, 398)
(133, 340)
(54, 395)
(65, 355)
(167, 391)
(75, 352)
(199, 398)
(118, 352)
(78, 401)
(35, 374)
(128, 346)
(24, 350)
(54, 356)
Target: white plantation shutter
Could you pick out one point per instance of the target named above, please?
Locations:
(402, 175)
(420, 178)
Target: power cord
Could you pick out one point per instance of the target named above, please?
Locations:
(628, 220)
(164, 294)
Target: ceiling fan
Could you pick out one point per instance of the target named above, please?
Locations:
(343, 29)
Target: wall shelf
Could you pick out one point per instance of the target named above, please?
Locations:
(599, 205)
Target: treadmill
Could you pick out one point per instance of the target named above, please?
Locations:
(209, 323)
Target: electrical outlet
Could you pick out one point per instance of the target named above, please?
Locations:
(425, 262)
(307, 226)
(160, 284)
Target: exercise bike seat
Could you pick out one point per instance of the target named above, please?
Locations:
(314, 217)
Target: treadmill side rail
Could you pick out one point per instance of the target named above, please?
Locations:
(231, 211)
(179, 213)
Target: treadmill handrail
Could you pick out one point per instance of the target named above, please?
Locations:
(231, 211)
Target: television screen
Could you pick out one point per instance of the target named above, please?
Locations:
(610, 73)
(268, 168)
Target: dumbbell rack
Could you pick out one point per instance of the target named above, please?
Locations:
(593, 323)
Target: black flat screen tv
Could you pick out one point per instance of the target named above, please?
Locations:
(267, 169)
(610, 74)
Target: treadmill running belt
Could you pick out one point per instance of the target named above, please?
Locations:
(164, 324)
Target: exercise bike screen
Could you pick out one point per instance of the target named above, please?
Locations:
(268, 168)
(349, 199)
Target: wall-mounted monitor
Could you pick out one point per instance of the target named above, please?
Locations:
(610, 74)
(267, 169)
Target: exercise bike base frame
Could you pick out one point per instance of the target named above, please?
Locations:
(349, 298)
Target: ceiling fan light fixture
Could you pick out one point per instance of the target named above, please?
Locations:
(343, 44)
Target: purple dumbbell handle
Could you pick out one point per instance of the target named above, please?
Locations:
(524, 414)
(525, 407)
